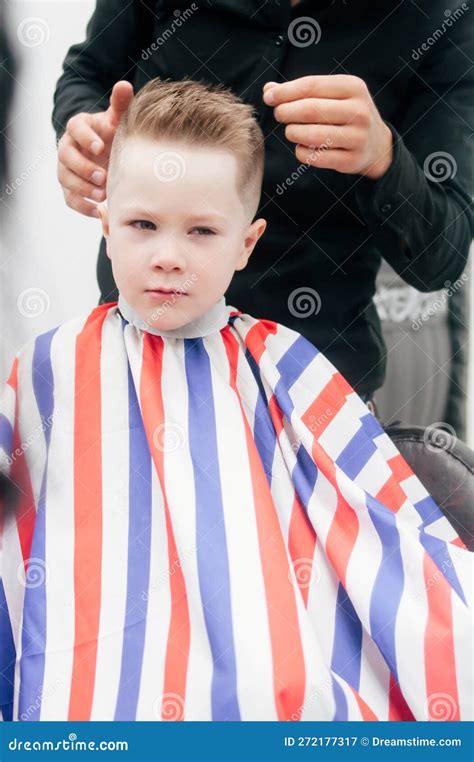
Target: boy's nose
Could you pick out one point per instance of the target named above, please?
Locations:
(168, 258)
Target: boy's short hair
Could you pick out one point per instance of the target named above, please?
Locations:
(199, 114)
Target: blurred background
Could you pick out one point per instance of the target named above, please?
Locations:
(48, 252)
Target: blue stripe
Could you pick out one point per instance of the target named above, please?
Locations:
(428, 510)
(347, 640)
(438, 550)
(361, 447)
(295, 360)
(341, 713)
(138, 562)
(212, 557)
(388, 585)
(263, 430)
(7, 658)
(34, 620)
(6, 435)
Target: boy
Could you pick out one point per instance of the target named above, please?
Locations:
(210, 523)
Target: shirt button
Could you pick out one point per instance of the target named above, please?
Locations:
(385, 208)
(279, 39)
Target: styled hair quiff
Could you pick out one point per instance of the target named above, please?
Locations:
(203, 115)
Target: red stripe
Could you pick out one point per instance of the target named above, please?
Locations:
(287, 652)
(151, 400)
(325, 407)
(440, 665)
(301, 534)
(87, 513)
(365, 710)
(398, 709)
(25, 507)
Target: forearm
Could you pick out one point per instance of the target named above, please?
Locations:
(423, 227)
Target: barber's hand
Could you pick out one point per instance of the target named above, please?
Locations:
(334, 122)
(84, 151)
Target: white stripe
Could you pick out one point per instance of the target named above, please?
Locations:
(252, 641)
(59, 541)
(115, 519)
(180, 491)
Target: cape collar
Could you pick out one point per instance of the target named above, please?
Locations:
(210, 322)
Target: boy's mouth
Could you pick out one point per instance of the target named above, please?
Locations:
(166, 291)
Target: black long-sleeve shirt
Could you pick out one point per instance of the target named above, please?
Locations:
(327, 230)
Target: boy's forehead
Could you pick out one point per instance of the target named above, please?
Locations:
(172, 163)
(177, 177)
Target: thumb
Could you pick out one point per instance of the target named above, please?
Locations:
(120, 98)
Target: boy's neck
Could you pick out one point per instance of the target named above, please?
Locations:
(209, 322)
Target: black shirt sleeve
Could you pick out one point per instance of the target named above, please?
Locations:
(420, 212)
(92, 67)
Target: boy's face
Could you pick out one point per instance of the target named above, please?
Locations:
(175, 221)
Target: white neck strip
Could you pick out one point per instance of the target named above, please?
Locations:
(211, 321)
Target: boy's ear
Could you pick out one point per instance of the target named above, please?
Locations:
(103, 214)
(252, 235)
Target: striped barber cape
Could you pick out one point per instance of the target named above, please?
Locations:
(217, 528)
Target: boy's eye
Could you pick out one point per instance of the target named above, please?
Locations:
(143, 224)
(207, 231)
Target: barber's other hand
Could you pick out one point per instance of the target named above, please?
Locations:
(334, 122)
(84, 151)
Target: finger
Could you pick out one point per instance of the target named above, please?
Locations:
(81, 205)
(75, 160)
(338, 159)
(310, 135)
(120, 98)
(78, 186)
(314, 111)
(313, 86)
(80, 129)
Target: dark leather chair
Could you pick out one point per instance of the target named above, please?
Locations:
(445, 466)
